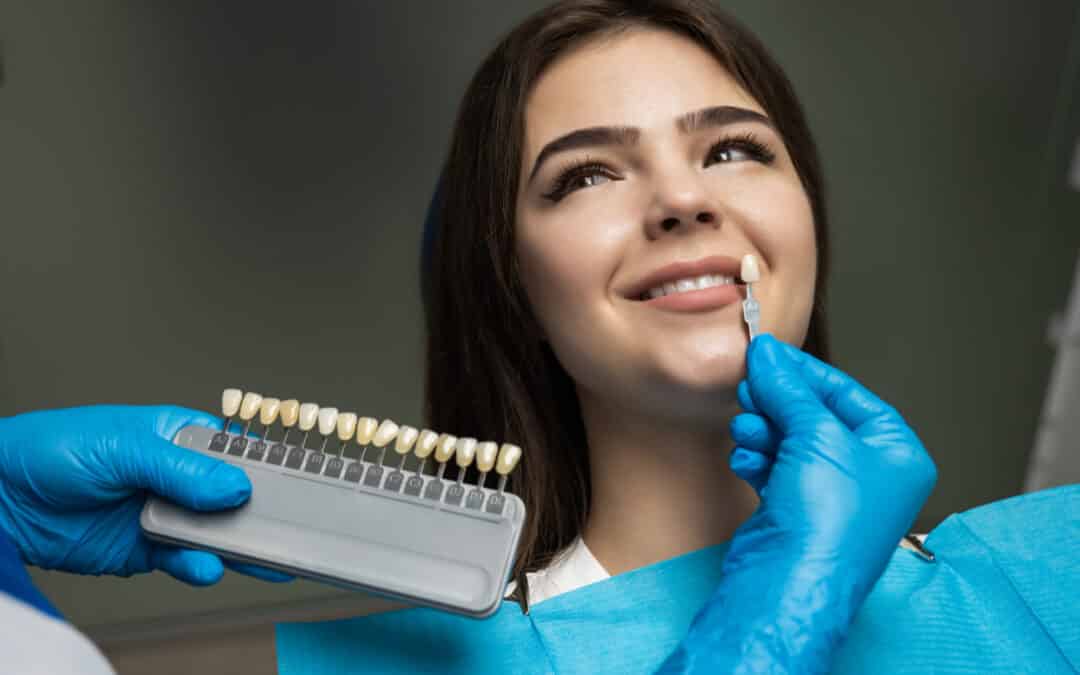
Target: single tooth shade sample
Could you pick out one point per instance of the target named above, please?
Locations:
(444, 449)
(268, 411)
(386, 432)
(327, 421)
(425, 443)
(486, 453)
(749, 272)
(249, 406)
(405, 439)
(508, 458)
(290, 412)
(464, 451)
(346, 425)
(365, 429)
(230, 402)
(309, 413)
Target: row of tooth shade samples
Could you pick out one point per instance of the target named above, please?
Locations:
(366, 432)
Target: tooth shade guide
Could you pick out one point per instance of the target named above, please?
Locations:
(346, 429)
(230, 405)
(465, 451)
(249, 408)
(749, 271)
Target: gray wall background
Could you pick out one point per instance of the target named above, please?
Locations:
(200, 195)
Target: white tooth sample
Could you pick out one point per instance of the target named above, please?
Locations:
(444, 449)
(705, 281)
(509, 455)
(230, 402)
(486, 453)
(290, 412)
(464, 451)
(425, 443)
(749, 272)
(249, 406)
(268, 411)
(385, 433)
(309, 413)
(346, 425)
(365, 430)
(684, 285)
(405, 438)
(327, 420)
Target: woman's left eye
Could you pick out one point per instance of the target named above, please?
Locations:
(740, 148)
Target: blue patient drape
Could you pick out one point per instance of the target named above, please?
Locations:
(1002, 597)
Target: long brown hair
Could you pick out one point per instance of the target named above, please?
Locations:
(488, 373)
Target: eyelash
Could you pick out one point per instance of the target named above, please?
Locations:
(747, 142)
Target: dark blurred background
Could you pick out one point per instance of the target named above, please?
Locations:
(198, 195)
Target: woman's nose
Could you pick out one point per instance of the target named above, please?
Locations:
(681, 206)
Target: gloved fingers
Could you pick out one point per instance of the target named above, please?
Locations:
(197, 568)
(778, 388)
(188, 478)
(754, 432)
(169, 419)
(746, 401)
(753, 467)
(850, 401)
(264, 573)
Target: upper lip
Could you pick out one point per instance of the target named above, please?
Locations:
(714, 264)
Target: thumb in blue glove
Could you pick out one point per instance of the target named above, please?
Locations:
(840, 477)
(73, 483)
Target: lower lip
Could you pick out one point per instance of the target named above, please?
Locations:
(701, 300)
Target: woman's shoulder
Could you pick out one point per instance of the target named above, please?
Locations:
(572, 569)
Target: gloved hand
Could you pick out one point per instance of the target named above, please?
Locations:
(841, 478)
(73, 483)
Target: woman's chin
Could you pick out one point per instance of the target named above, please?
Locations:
(701, 392)
(708, 367)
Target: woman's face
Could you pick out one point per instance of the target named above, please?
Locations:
(681, 166)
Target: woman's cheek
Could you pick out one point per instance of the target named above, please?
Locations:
(556, 271)
(775, 213)
(792, 250)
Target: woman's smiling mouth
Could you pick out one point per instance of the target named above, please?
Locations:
(695, 286)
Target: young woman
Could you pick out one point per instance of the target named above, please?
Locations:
(600, 144)
(612, 163)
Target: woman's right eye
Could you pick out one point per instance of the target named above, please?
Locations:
(577, 177)
(588, 180)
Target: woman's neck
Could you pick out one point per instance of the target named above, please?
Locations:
(659, 490)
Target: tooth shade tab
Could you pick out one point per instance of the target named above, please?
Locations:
(249, 406)
(346, 425)
(444, 449)
(425, 443)
(386, 432)
(464, 451)
(750, 272)
(290, 412)
(365, 429)
(689, 284)
(509, 455)
(405, 438)
(327, 421)
(230, 402)
(486, 453)
(309, 413)
(268, 411)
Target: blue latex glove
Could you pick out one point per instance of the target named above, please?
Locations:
(73, 483)
(841, 478)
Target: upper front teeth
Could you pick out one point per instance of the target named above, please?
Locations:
(690, 284)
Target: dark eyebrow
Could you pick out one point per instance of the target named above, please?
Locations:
(716, 116)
